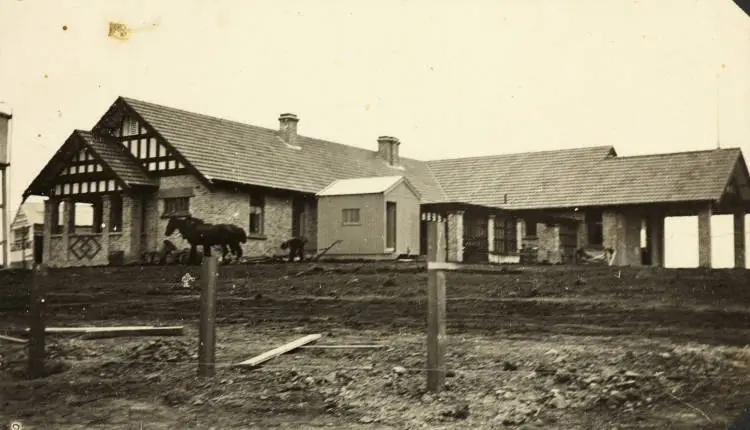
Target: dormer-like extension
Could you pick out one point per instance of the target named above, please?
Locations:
(388, 150)
(288, 128)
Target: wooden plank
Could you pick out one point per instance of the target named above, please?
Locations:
(283, 349)
(343, 346)
(101, 332)
(13, 339)
(436, 337)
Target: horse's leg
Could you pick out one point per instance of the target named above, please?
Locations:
(192, 257)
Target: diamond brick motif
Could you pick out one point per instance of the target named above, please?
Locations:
(85, 247)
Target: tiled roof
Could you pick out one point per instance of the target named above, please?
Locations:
(682, 176)
(371, 185)
(117, 159)
(237, 152)
(519, 181)
(231, 151)
(585, 177)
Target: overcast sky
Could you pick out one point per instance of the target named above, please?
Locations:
(448, 78)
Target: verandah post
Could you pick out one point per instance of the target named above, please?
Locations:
(207, 345)
(36, 323)
(435, 308)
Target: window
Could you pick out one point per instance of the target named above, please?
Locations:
(350, 216)
(531, 228)
(505, 236)
(256, 214)
(115, 213)
(177, 206)
(20, 239)
(130, 127)
(594, 228)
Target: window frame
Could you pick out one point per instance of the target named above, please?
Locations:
(256, 217)
(349, 220)
(505, 243)
(179, 210)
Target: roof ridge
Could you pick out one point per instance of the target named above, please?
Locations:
(664, 154)
(259, 127)
(546, 151)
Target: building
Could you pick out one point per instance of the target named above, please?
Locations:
(376, 217)
(27, 235)
(142, 163)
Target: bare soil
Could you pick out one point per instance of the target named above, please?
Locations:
(545, 347)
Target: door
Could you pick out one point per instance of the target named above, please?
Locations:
(390, 225)
(475, 239)
(38, 248)
(298, 217)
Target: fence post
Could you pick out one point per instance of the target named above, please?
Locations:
(207, 345)
(435, 308)
(36, 323)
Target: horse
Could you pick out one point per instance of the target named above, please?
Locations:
(198, 232)
(296, 247)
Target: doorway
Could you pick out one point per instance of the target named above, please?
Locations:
(390, 225)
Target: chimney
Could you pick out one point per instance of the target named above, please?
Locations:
(388, 149)
(288, 128)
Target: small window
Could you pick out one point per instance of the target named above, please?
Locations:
(177, 206)
(350, 216)
(530, 228)
(130, 127)
(256, 214)
(115, 213)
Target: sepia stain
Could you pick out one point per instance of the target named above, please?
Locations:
(39, 135)
(118, 30)
(65, 28)
(121, 31)
(723, 66)
(367, 107)
(643, 36)
(45, 76)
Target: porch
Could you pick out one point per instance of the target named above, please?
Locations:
(93, 230)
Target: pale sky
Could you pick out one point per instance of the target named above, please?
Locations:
(448, 78)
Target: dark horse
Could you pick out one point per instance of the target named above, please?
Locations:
(198, 232)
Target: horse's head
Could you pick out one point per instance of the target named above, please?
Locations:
(175, 223)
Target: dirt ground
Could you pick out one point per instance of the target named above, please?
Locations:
(544, 347)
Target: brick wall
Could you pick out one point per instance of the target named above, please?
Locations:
(549, 243)
(225, 206)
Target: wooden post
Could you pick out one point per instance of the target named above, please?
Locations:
(207, 346)
(36, 329)
(436, 309)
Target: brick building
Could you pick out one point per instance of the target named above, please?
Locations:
(142, 163)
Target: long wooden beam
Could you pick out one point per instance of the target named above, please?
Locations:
(103, 332)
(13, 339)
(283, 349)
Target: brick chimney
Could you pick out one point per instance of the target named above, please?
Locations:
(388, 149)
(288, 128)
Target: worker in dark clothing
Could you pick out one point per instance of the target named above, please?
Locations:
(296, 246)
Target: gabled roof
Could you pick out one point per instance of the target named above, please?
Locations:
(231, 151)
(586, 177)
(520, 180)
(116, 157)
(111, 156)
(370, 185)
(30, 212)
(682, 176)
